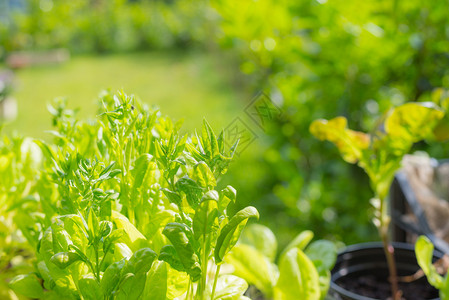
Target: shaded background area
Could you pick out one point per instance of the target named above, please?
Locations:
(195, 59)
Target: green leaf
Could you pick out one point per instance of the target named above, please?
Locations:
(210, 144)
(229, 287)
(132, 237)
(412, 122)
(27, 285)
(90, 288)
(131, 286)
(261, 238)
(156, 283)
(324, 252)
(140, 261)
(230, 233)
(191, 189)
(298, 278)
(350, 143)
(251, 265)
(300, 241)
(64, 259)
(205, 219)
(140, 169)
(424, 255)
(172, 197)
(169, 255)
(179, 237)
(203, 175)
(227, 195)
(111, 277)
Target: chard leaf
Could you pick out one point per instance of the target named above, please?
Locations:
(132, 237)
(412, 122)
(230, 233)
(350, 143)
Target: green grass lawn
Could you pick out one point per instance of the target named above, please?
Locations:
(183, 85)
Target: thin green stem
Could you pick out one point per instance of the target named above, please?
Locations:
(217, 272)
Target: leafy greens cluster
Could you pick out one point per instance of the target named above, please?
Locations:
(128, 208)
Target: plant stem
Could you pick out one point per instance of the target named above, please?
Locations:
(217, 272)
(388, 250)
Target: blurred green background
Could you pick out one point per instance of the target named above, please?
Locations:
(195, 59)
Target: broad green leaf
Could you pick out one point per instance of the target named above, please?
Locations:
(172, 197)
(90, 288)
(230, 233)
(177, 283)
(156, 282)
(169, 255)
(111, 277)
(65, 259)
(261, 238)
(251, 265)
(27, 285)
(140, 169)
(229, 287)
(203, 175)
(177, 234)
(132, 237)
(350, 143)
(191, 189)
(300, 241)
(140, 261)
(131, 286)
(424, 254)
(227, 195)
(298, 278)
(205, 219)
(412, 122)
(324, 252)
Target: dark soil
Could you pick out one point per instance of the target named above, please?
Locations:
(377, 288)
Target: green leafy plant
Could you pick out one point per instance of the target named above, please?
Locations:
(130, 209)
(380, 154)
(424, 254)
(302, 271)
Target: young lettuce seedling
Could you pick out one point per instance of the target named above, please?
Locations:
(380, 154)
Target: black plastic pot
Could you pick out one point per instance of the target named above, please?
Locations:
(358, 262)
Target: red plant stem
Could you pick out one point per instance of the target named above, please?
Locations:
(389, 254)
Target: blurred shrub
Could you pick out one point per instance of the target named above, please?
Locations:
(104, 26)
(324, 58)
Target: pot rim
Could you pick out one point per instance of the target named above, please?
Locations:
(368, 246)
